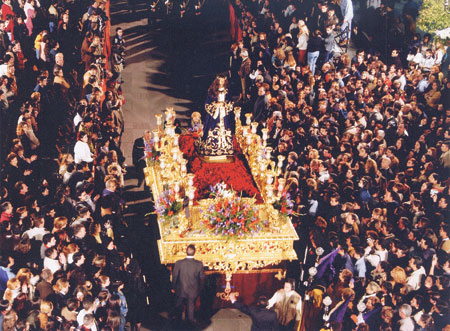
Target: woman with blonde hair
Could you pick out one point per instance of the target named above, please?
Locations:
(95, 232)
(290, 62)
(398, 275)
(61, 289)
(63, 161)
(59, 230)
(371, 168)
(69, 251)
(59, 224)
(12, 289)
(302, 44)
(46, 309)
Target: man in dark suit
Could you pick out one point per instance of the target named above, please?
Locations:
(260, 106)
(263, 319)
(187, 281)
(138, 156)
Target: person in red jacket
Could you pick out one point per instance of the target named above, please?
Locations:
(7, 211)
(7, 10)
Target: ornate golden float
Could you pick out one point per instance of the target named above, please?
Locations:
(272, 245)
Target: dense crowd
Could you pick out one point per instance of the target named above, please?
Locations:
(65, 263)
(366, 141)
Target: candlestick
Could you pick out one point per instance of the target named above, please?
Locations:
(237, 113)
(248, 139)
(155, 135)
(264, 131)
(174, 151)
(254, 127)
(158, 119)
(191, 195)
(281, 183)
(269, 189)
(280, 161)
(269, 178)
(183, 166)
(269, 152)
(248, 117)
(168, 114)
(191, 180)
(176, 188)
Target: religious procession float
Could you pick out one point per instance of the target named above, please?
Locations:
(217, 186)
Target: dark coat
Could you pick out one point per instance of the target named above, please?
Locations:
(45, 289)
(187, 278)
(262, 319)
(138, 150)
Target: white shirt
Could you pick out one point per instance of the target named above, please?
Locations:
(82, 152)
(3, 69)
(414, 280)
(36, 233)
(302, 42)
(51, 264)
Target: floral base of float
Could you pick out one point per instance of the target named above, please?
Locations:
(261, 188)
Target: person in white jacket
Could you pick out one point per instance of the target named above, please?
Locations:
(81, 150)
(414, 280)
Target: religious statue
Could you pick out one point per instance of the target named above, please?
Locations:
(216, 145)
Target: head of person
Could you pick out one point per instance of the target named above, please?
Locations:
(190, 251)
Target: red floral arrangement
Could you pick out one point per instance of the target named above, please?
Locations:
(229, 216)
(284, 205)
(151, 155)
(167, 205)
(235, 174)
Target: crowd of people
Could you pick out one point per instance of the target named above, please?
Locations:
(65, 261)
(366, 142)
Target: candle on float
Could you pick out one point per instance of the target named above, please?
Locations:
(176, 188)
(269, 179)
(248, 117)
(174, 153)
(280, 161)
(264, 131)
(155, 135)
(269, 152)
(191, 180)
(281, 183)
(191, 193)
(158, 119)
(248, 139)
(237, 113)
(269, 189)
(183, 166)
(254, 127)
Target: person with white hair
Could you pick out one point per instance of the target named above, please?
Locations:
(405, 323)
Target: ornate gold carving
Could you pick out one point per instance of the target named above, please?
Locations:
(219, 142)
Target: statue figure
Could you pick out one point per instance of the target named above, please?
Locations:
(216, 144)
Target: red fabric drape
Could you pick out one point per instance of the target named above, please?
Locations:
(235, 28)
